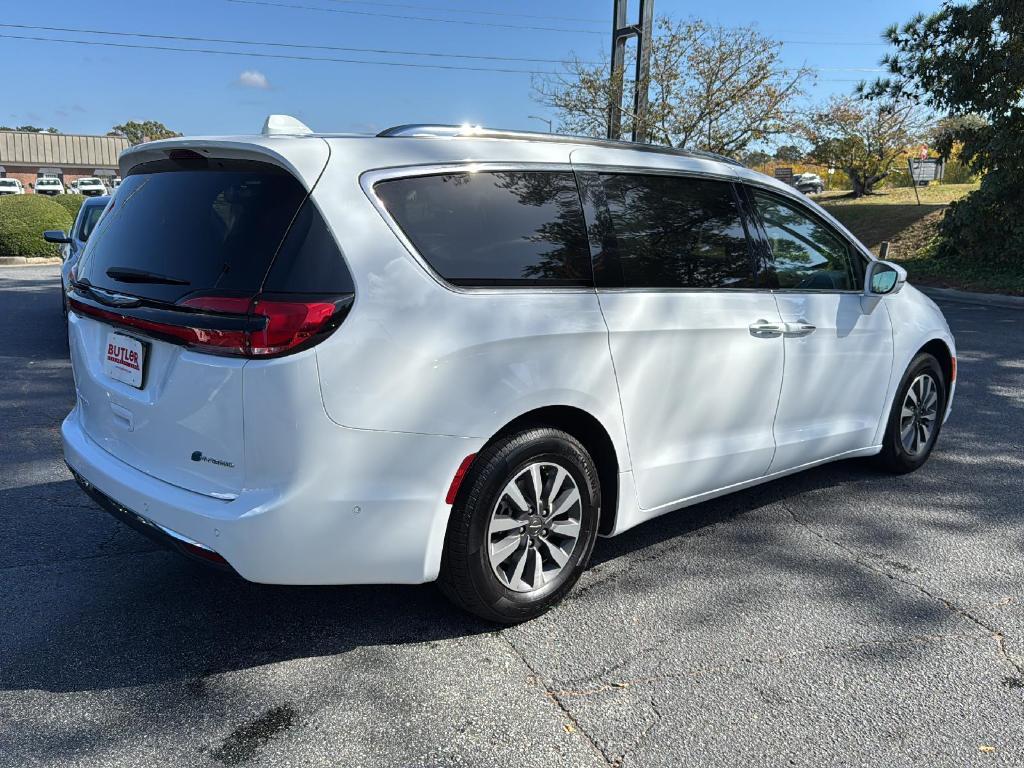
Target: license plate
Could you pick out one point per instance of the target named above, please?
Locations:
(124, 359)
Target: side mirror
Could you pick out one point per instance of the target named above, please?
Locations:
(884, 278)
(56, 236)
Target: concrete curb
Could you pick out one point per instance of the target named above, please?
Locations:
(24, 261)
(971, 297)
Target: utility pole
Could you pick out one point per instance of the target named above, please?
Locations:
(622, 31)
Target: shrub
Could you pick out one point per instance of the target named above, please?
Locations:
(71, 202)
(22, 221)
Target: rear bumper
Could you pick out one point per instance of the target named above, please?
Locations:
(375, 513)
(153, 531)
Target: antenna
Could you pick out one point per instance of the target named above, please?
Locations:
(284, 125)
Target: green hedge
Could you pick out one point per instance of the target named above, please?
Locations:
(22, 221)
(71, 202)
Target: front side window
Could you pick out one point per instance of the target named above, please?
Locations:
(676, 232)
(806, 253)
(87, 220)
(504, 228)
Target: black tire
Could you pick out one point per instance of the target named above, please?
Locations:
(467, 577)
(895, 457)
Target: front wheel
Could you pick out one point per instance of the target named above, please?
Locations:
(523, 526)
(916, 416)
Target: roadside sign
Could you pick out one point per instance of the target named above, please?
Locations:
(928, 169)
(784, 174)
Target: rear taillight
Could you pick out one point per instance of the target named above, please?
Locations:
(288, 324)
(227, 325)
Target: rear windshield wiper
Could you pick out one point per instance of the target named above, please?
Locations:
(129, 275)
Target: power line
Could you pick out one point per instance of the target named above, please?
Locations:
(414, 18)
(310, 46)
(465, 10)
(192, 39)
(288, 57)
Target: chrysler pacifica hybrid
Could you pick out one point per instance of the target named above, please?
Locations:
(456, 354)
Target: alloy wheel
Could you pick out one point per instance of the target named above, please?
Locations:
(919, 414)
(534, 526)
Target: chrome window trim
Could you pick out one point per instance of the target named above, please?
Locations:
(369, 179)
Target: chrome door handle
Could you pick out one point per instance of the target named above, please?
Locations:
(799, 328)
(763, 329)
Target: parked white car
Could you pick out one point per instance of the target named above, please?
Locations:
(49, 185)
(90, 187)
(11, 187)
(463, 354)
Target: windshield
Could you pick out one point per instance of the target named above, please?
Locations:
(89, 181)
(209, 228)
(47, 183)
(8, 183)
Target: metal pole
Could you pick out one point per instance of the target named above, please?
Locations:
(643, 70)
(619, 35)
(910, 167)
(543, 120)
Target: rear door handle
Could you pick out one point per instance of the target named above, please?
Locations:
(764, 329)
(799, 328)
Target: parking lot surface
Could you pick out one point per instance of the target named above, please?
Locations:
(838, 617)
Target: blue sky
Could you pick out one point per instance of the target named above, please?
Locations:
(87, 89)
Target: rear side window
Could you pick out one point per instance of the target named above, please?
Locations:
(508, 228)
(177, 230)
(676, 232)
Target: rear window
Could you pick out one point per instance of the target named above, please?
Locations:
(507, 228)
(176, 230)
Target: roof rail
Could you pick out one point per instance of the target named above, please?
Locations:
(427, 130)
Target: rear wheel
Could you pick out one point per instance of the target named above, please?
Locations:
(916, 416)
(523, 526)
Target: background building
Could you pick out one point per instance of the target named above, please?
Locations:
(28, 156)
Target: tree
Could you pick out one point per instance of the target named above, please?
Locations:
(789, 153)
(864, 140)
(755, 158)
(712, 88)
(148, 130)
(965, 60)
(29, 129)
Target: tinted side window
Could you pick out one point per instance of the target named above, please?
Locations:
(806, 254)
(495, 228)
(675, 232)
(87, 220)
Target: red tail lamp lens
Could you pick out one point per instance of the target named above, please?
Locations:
(289, 323)
(276, 327)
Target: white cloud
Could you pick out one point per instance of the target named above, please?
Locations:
(253, 79)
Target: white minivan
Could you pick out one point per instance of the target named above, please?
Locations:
(458, 354)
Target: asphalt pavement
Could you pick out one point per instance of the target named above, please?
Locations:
(841, 617)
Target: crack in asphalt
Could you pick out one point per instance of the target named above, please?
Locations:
(623, 684)
(538, 679)
(861, 559)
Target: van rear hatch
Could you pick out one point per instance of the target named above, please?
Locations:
(198, 266)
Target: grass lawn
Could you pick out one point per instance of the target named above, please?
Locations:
(911, 230)
(886, 214)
